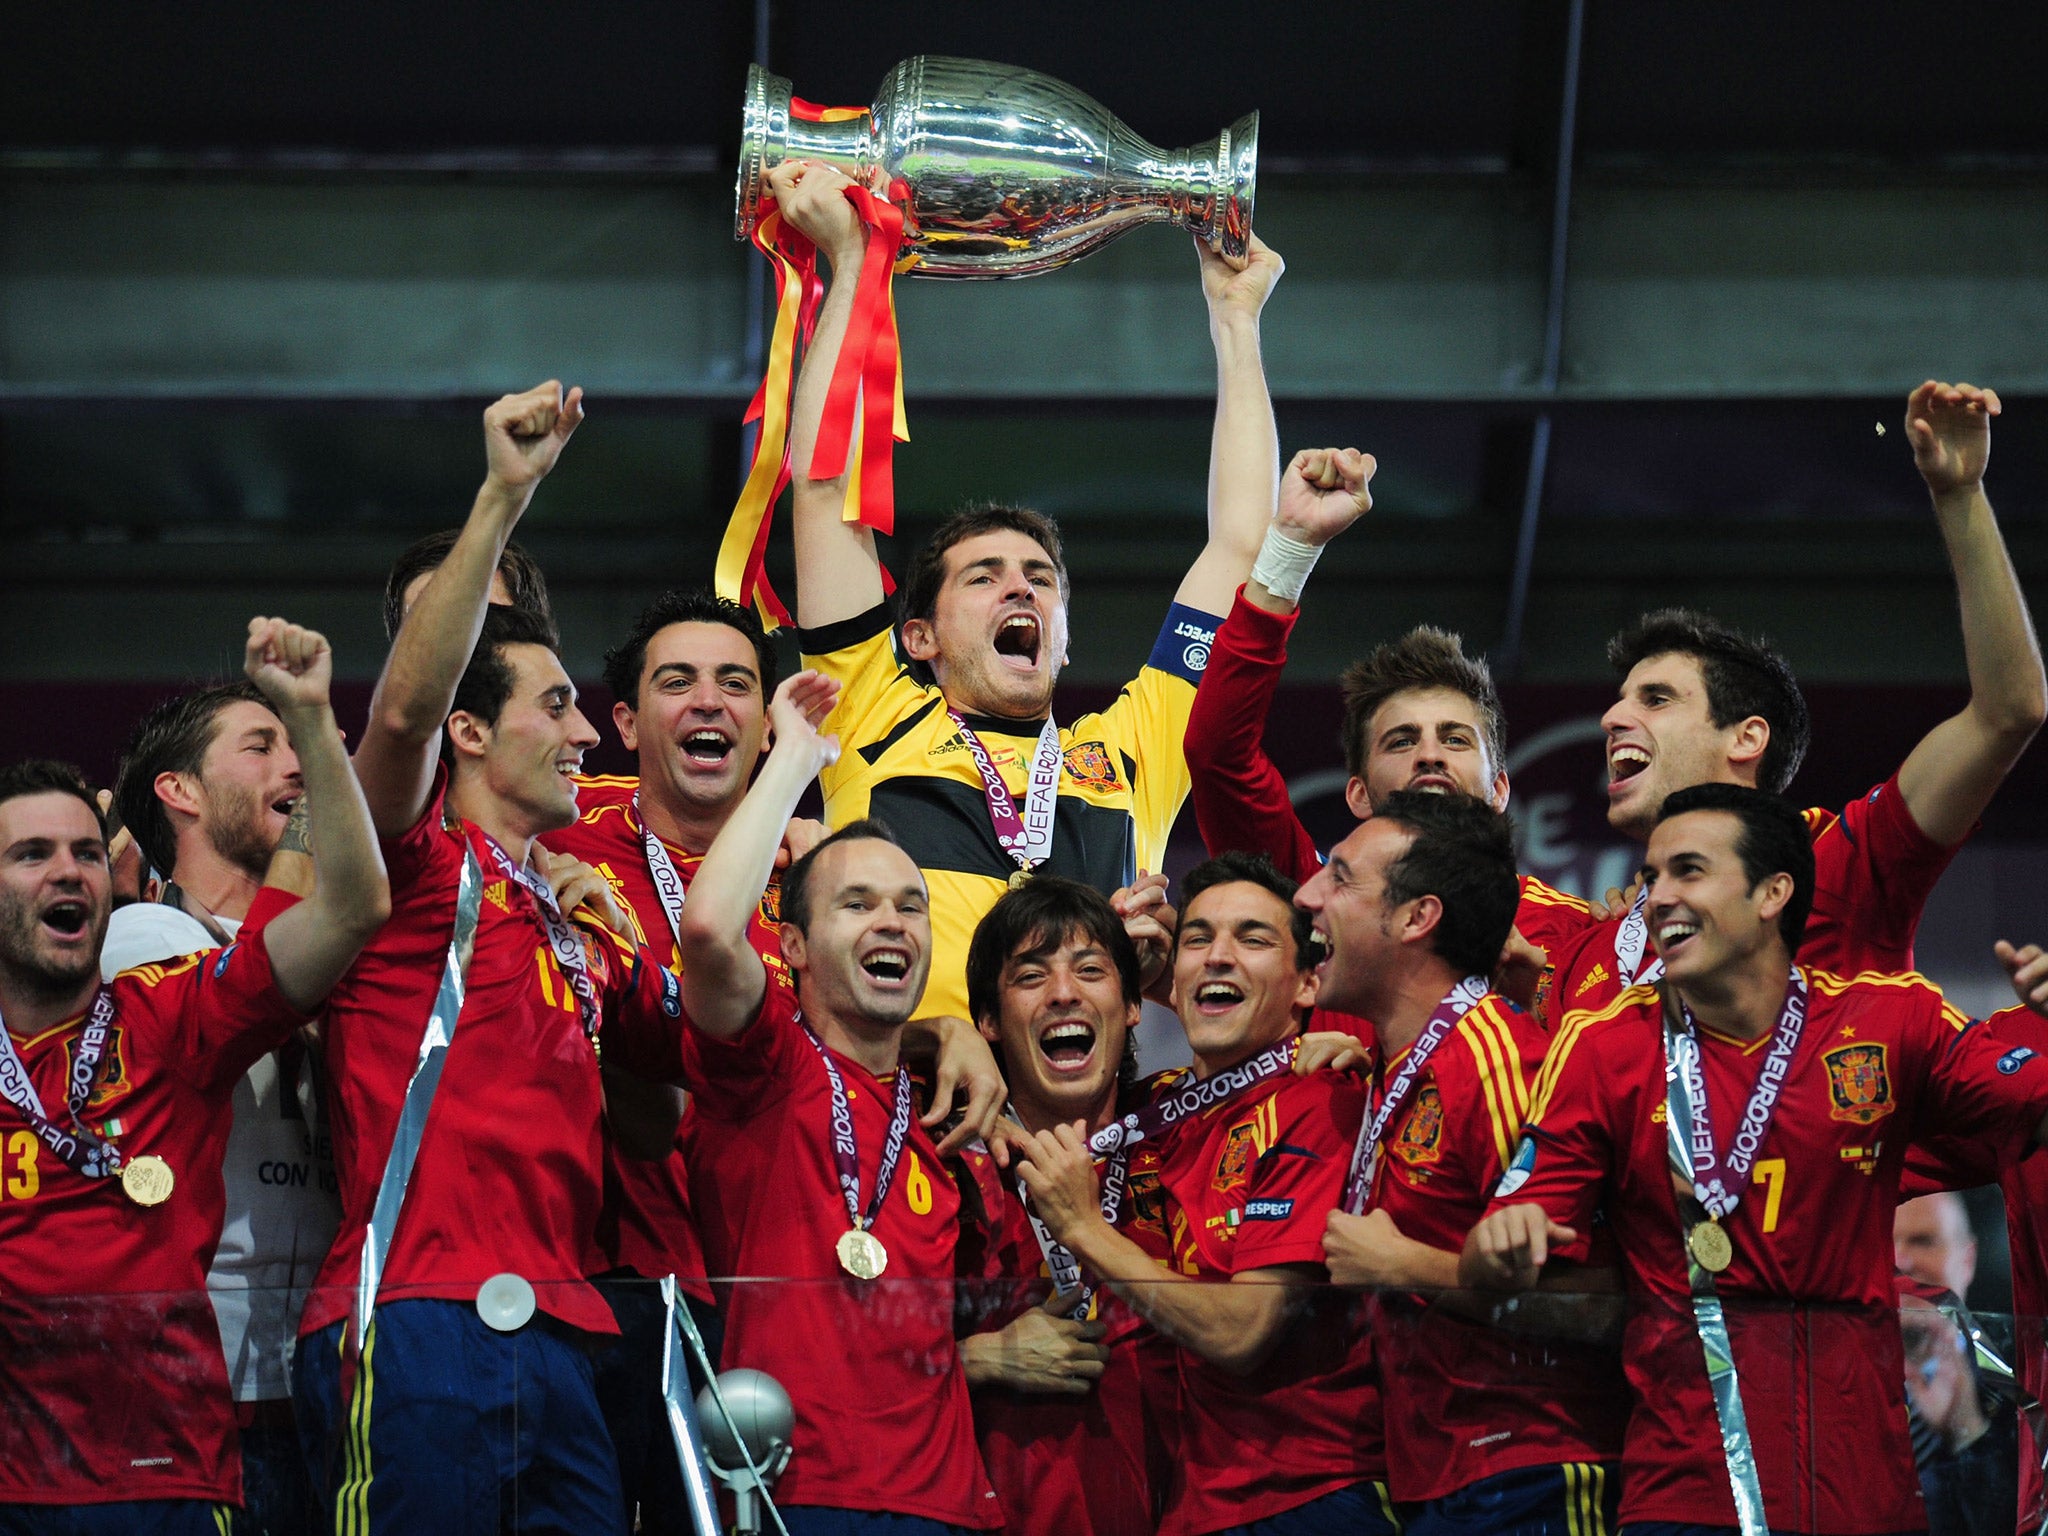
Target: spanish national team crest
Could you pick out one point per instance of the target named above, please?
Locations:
(771, 904)
(1235, 1165)
(1146, 1200)
(1422, 1129)
(1089, 765)
(1858, 1083)
(1246, 1142)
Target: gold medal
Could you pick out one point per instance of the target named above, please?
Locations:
(1710, 1246)
(861, 1253)
(147, 1180)
(1019, 878)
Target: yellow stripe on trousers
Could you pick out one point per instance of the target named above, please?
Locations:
(352, 1502)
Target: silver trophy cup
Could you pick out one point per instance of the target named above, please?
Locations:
(1003, 172)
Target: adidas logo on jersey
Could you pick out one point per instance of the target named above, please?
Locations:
(494, 893)
(1593, 978)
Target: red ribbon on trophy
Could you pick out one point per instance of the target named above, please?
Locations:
(864, 416)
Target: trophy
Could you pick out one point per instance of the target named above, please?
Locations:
(1000, 172)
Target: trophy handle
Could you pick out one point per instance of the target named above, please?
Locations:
(770, 134)
(1228, 227)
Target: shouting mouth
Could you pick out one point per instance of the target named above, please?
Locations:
(1017, 641)
(1215, 998)
(1624, 763)
(1069, 1047)
(67, 919)
(888, 969)
(707, 748)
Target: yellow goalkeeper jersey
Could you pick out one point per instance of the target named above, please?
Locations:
(904, 762)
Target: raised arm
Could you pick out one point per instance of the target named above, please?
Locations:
(723, 979)
(1240, 796)
(317, 939)
(1234, 1326)
(523, 437)
(1244, 446)
(1950, 777)
(838, 572)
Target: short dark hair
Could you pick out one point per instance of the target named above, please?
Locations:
(796, 881)
(1463, 853)
(1425, 657)
(624, 662)
(1253, 869)
(1042, 914)
(1772, 840)
(522, 573)
(1744, 676)
(42, 776)
(918, 598)
(172, 737)
(487, 681)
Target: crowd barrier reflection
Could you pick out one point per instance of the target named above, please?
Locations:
(1452, 1366)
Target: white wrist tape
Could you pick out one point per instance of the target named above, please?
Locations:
(1284, 563)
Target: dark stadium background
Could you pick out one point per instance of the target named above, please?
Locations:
(260, 268)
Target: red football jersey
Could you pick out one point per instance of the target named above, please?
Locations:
(646, 1225)
(1811, 1307)
(112, 1383)
(1464, 1401)
(882, 1418)
(511, 1165)
(1059, 1464)
(1873, 870)
(1249, 1185)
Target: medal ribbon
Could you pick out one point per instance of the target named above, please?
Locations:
(846, 1151)
(1060, 1262)
(1683, 1107)
(1365, 1156)
(419, 1096)
(1717, 1179)
(1632, 942)
(1198, 1095)
(562, 937)
(863, 417)
(668, 885)
(85, 1154)
(1026, 838)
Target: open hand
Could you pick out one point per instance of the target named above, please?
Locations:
(292, 665)
(1323, 491)
(800, 705)
(1044, 1350)
(1330, 1050)
(966, 1068)
(524, 434)
(1949, 426)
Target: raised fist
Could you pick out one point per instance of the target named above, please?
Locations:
(1949, 426)
(812, 197)
(1323, 491)
(525, 434)
(290, 664)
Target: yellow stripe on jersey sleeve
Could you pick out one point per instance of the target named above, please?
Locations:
(1569, 1033)
(1550, 896)
(1495, 1087)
